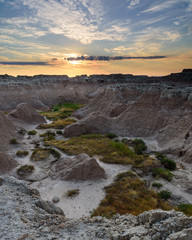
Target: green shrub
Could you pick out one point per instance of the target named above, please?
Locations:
(157, 185)
(59, 132)
(48, 136)
(21, 153)
(138, 146)
(185, 208)
(166, 162)
(13, 141)
(165, 195)
(73, 193)
(55, 153)
(164, 173)
(111, 135)
(22, 131)
(33, 132)
(25, 170)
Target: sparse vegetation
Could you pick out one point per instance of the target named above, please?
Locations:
(110, 135)
(48, 136)
(62, 111)
(13, 141)
(33, 132)
(41, 154)
(129, 194)
(185, 208)
(138, 146)
(145, 163)
(22, 131)
(58, 123)
(25, 170)
(55, 153)
(73, 193)
(157, 185)
(164, 173)
(165, 195)
(59, 132)
(166, 162)
(21, 153)
(60, 115)
(110, 151)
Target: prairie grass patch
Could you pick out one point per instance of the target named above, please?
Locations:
(166, 162)
(41, 154)
(61, 111)
(32, 132)
(185, 208)
(162, 173)
(58, 123)
(25, 170)
(129, 194)
(22, 153)
(109, 151)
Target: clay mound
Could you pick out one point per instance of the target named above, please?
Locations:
(94, 123)
(7, 130)
(81, 167)
(6, 163)
(27, 114)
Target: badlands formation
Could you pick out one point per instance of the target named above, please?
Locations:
(54, 173)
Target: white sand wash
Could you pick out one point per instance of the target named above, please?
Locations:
(90, 192)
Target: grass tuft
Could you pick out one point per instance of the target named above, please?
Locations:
(21, 153)
(33, 132)
(25, 170)
(13, 141)
(58, 123)
(185, 208)
(73, 193)
(164, 173)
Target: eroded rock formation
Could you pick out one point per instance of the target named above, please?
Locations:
(31, 218)
(26, 114)
(6, 163)
(7, 131)
(81, 167)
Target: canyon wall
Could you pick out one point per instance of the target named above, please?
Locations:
(154, 108)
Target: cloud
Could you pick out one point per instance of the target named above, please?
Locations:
(110, 58)
(189, 8)
(160, 7)
(80, 20)
(133, 3)
(25, 63)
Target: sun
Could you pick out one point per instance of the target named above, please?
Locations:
(74, 62)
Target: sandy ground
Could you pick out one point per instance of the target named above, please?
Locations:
(91, 192)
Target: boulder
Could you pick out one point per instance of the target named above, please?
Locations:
(26, 114)
(81, 167)
(6, 163)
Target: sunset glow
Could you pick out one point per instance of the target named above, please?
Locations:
(48, 37)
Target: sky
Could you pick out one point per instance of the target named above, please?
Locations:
(72, 37)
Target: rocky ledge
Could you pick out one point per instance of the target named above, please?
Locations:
(23, 215)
